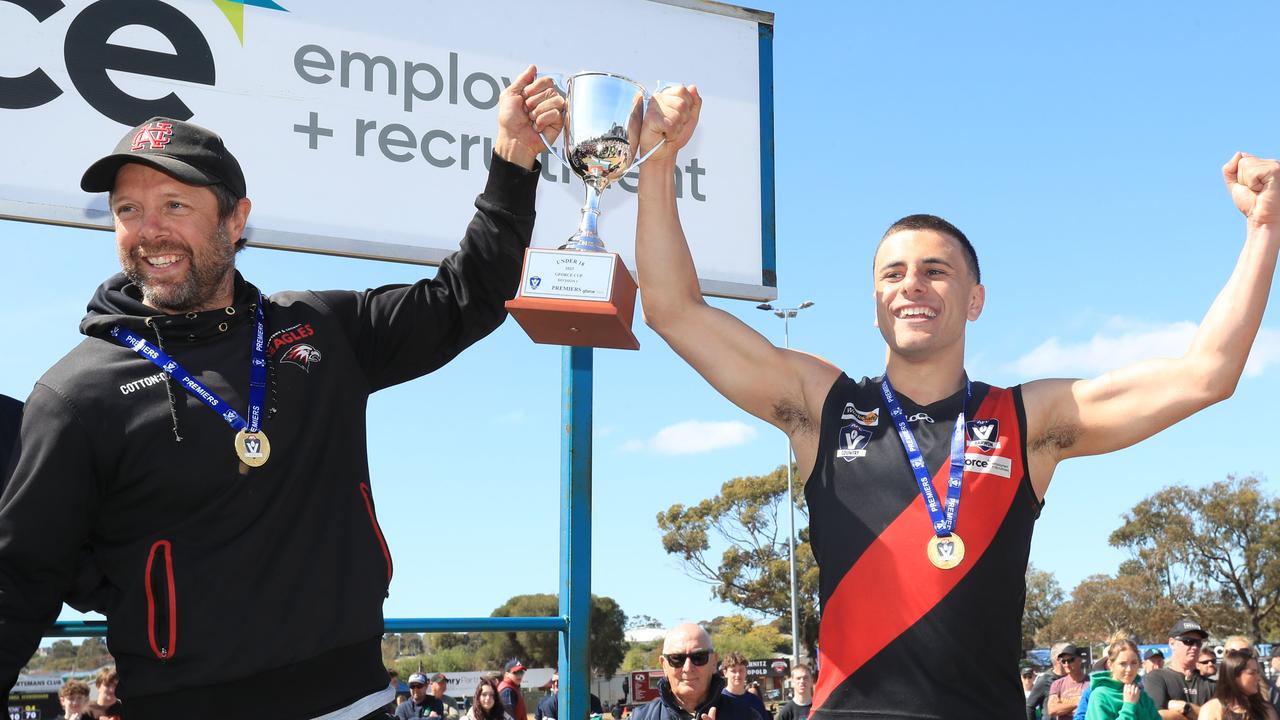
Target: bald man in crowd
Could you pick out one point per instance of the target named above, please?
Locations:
(691, 687)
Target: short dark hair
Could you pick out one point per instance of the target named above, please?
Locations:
(227, 202)
(938, 225)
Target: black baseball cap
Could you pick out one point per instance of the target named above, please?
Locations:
(183, 150)
(1153, 654)
(1187, 625)
(1070, 650)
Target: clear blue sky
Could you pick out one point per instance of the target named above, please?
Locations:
(1079, 147)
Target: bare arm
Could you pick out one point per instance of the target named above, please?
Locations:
(1069, 418)
(1059, 705)
(785, 388)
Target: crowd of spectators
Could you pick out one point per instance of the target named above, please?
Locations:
(1195, 681)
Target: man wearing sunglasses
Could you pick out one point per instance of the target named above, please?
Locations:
(691, 689)
(1178, 689)
(1064, 694)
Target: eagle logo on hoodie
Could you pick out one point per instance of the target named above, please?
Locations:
(301, 355)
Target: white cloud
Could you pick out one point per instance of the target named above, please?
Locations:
(1124, 342)
(693, 436)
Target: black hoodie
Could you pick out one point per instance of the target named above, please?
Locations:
(223, 589)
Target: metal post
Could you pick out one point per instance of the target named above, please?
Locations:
(575, 532)
(786, 314)
(791, 513)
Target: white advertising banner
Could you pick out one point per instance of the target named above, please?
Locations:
(364, 128)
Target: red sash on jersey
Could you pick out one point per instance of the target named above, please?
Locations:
(893, 584)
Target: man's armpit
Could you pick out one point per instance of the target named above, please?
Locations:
(793, 418)
(1057, 437)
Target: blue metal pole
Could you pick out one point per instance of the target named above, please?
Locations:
(98, 628)
(575, 532)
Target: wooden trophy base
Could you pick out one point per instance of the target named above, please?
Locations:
(572, 297)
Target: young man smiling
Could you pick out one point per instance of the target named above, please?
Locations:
(197, 467)
(911, 577)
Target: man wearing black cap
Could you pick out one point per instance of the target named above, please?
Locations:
(1178, 689)
(1152, 660)
(206, 441)
(1064, 694)
(421, 702)
(440, 683)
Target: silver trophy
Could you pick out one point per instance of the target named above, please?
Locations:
(602, 118)
(568, 296)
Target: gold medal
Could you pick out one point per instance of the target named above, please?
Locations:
(253, 449)
(945, 552)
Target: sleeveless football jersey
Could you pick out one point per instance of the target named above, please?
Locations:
(899, 637)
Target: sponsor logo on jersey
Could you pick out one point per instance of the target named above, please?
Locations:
(920, 417)
(854, 440)
(983, 434)
(988, 464)
(866, 418)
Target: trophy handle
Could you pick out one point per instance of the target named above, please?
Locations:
(555, 154)
(644, 157)
(557, 80)
(661, 85)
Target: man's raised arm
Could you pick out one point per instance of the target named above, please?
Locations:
(1067, 418)
(782, 387)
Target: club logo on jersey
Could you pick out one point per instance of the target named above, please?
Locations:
(854, 440)
(302, 355)
(920, 417)
(983, 434)
(282, 339)
(866, 418)
(988, 465)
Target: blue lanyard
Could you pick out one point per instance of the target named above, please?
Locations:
(257, 373)
(944, 520)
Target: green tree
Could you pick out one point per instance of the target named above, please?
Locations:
(1102, 605)
(1210, 550)
(642, 656)
(748, 518)
(1044, 596)
(738, 633)
(62, 650)
(607, 642)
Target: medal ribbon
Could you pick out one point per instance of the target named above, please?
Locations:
(944, 519)
(257, 373)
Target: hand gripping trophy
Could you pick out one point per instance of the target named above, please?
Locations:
(580, 294)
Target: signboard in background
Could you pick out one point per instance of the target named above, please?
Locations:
(644, 686)
(368, 133)
(771, 667)
(35, 697)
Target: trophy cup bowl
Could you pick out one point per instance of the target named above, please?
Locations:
(580, 294)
